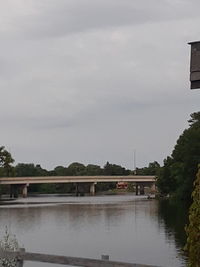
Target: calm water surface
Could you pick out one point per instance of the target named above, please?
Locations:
(128, 228)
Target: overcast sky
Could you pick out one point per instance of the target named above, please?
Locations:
(93, 80)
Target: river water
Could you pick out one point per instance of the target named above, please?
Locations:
(128, 228)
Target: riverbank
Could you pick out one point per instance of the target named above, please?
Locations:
(114, 192)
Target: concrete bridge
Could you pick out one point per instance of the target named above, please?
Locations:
(24, 182)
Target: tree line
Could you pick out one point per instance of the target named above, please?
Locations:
(74, 169)
(175, 177)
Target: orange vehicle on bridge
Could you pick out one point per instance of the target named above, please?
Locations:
(122, 185)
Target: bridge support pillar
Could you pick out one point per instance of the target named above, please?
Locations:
(141, 189)
(153, 188)
(92, 189)
(13, 191)
(25, 191)
(136, 189)
(76, 190)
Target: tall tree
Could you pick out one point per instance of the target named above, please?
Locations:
(177, 175)
(6, 161)
(113, 169)
(92, 169)
(152, 169)
(76, 168)
(60, 171)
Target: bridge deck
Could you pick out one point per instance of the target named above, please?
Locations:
(76, 179)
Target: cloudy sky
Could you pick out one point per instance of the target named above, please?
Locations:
(93, 80)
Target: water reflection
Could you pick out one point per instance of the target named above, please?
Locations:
(128, 228)
(174, 214)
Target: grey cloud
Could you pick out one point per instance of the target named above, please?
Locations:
(120, 82)
(49, 18)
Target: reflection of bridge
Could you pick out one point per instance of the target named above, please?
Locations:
(23, 182)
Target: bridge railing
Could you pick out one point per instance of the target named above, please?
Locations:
(21, 256)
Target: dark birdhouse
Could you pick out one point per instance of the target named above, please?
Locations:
(195, 65)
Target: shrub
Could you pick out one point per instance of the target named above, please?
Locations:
(8, 242)
(193, 229)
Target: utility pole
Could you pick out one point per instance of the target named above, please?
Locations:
(134, 162)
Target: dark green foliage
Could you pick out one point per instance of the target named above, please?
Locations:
(76, 168)
(93, 170)
(105, 186)
(166, 182)
(52, 188)
(177, 175)
(195, 119)
(131, 187)
(193, 229)
(152, 169)
(113, 169)
(64, 188)
(29, 169)
(6, 160)
(60, 171)
(174, 213)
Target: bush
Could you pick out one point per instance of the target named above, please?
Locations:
(9, 242)
(193, 229)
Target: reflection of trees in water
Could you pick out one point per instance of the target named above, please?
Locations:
(174, 214)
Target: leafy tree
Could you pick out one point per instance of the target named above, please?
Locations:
(40, 171)
(5, 162)
(195, 119)
(113, 169)
(177, 175)
(93, 170)
(152, 169)
(24, 169)
(76, 168)
(193, 229)
(29, 169)
(60, 171)
(100, 187)
(165, 181)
